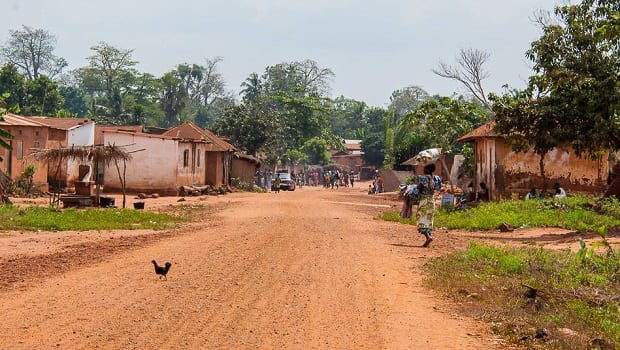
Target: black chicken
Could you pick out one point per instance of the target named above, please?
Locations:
(162, 270)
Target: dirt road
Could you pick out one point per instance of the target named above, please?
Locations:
(310, 269)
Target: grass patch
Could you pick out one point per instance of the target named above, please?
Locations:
(581, 213)
(534, 297)
(577, 295)
(43, 218)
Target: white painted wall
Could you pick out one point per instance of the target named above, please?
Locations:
(82, 135)
(151, 170)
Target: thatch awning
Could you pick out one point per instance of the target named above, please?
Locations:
(98, 154)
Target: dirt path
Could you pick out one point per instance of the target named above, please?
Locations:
(310, 269)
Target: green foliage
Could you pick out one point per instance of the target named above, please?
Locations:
(497, 261)
(41, 97)
(249, 126)
(436, 122)
(11, 87)
(25, 184)
(40, 218)
(74, 100)
(575, 290)
(4, 135)
(610, 206)
(573, 213)
(346, 117)
(316, 151)
(296, 156)
(373, 147)
(576, 69)
(296, 79)
(109, 76)
(406, 100)
(441, 120)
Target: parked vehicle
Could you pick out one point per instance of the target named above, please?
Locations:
(286, 182)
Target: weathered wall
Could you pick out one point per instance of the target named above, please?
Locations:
(15, 161)
(192, 173)
(243, 169)
(507, 172)
(151, 170)
(214, 168)
(564, 167)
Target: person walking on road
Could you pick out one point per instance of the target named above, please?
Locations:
(425, 214)
(276, 183)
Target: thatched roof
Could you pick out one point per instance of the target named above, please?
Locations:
(98, 154)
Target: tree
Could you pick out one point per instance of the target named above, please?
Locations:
(32, 51)
(205, 91)
(12, 83)
(527, 122)
(372, 132)
(172, 99)
(4, 135)
(110, 69)
(407, 100)
(402, 102)
(74, 100)
(248, 129)
(297, 79)
(374, 150)
(469, 71)
(573, 98)
(300, 119)
(440, 121)
(41, 97)
(316, 150)
(252, 88)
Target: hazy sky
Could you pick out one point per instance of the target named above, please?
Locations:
(373, 47)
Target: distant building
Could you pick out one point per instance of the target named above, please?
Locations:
(351, 156)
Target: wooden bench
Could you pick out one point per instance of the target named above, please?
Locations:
(76, 200)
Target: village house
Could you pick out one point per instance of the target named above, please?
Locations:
(244, 167)
(351, 155)
(32, 133)
(506, 172)
(185, 155)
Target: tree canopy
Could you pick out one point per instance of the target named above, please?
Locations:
(32, 51)
(573, 98)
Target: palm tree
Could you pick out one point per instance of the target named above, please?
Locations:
(252, 87)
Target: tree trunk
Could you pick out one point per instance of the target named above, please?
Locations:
(541, 165)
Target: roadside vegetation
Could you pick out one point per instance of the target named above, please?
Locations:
(578, 212)
(36, 218)
(535, 297)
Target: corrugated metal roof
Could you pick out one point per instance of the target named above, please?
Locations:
(54, 123)
(14, 119)
(485, 130)
(189, 130)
